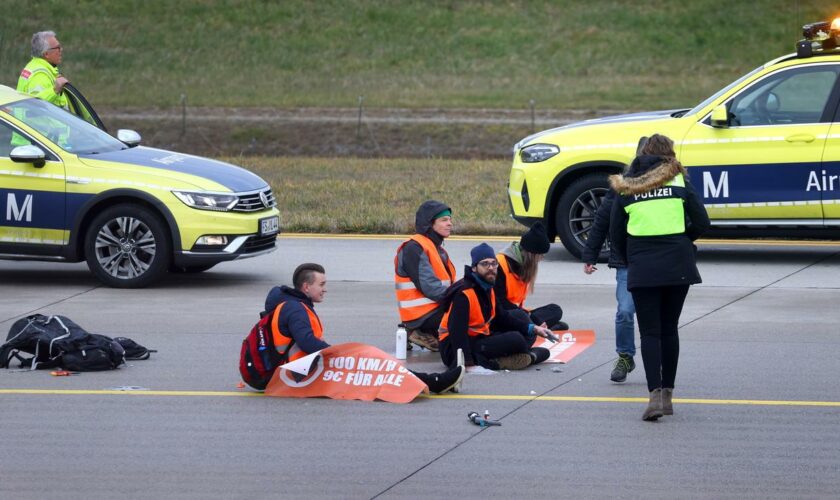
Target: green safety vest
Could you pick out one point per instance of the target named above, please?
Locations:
(658, 212)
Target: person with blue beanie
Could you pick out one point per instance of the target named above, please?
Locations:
(490, 336)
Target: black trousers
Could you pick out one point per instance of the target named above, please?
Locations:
(485, 348)
(549, 314)
(658, 312)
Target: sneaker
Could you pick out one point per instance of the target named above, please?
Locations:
(443, 382)
(539, 354)
(459, 361)
(517, 361)
(623, 365)
(423, 339)
(560, 325)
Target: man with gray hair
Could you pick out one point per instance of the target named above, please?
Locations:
(41, 77)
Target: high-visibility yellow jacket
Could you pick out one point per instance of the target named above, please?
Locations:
(38, 79)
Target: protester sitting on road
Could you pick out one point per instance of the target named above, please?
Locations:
(423, 272)
(625, 345)
(518, 265)
(653, 222)
(299, 323)
(41, 77)
(489, 335)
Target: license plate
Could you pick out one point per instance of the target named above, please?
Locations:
(269, 225)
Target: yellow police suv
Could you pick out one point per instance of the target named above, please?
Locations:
(71, 192)
(764, 152)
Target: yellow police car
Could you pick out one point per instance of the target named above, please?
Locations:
(764, 152)
(71, 192)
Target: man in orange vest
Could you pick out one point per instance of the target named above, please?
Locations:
(489, 336)
(518, 265)
(423, 272)
(300, 326)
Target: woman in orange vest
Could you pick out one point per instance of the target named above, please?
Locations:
(518, 265)
(490, 336)
(423, 272)
(297, 330)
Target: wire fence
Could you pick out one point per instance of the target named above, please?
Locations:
(354, 132)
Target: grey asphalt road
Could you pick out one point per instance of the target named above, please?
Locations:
(757, 410)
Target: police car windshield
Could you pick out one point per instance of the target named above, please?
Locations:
(64, 129)
(702, 105)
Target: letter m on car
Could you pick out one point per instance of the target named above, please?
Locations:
(18, 212)
(712, 189)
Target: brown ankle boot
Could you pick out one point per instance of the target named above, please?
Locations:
(667, 401)
(654, 409)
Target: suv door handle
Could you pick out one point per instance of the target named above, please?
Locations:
(800, 138)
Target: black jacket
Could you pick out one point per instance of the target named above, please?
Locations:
(598, 234)
(657, 260)
(459, 315)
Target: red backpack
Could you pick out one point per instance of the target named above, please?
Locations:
(259, 357)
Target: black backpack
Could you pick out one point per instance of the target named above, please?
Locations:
(57, 341)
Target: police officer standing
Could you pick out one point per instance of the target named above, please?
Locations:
(41, 77)
(654, 220)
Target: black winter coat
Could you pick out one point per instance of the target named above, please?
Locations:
(665, 260)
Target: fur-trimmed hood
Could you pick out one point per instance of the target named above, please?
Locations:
(645, 173)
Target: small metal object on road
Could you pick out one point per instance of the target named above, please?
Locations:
(475, 418)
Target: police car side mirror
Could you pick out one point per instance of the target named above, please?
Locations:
(128, 137)
(720, 117)
(29, 154)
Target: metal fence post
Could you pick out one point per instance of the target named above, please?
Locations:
(183, 115)
(533, 118)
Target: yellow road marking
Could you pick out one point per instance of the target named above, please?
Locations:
(95, 392)
(485, 397)
(401, 237)
(596, 399)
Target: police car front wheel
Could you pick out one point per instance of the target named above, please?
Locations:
(576, 212)
(126, 246)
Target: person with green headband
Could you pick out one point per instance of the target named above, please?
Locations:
(423, 272)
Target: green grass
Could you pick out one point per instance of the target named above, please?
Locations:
(599, 54)
(338, 195)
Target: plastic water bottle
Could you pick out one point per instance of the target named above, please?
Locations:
(402, 340)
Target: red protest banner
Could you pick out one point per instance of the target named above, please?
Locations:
(349, 371)
(572, 343)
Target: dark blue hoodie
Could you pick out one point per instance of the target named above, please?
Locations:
(294, 320)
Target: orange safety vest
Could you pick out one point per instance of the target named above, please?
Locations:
(517, 289)
(412, 303)
(282, 341)
(477, 323)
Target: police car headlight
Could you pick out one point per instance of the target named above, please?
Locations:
(207, 201)
(538, 152)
